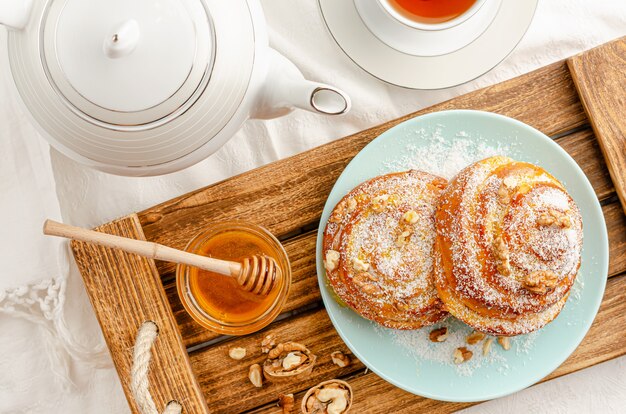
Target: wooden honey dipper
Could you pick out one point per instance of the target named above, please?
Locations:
(256, 274)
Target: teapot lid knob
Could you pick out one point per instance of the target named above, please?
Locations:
(122, 40)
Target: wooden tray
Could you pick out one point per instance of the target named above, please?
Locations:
(579, 102)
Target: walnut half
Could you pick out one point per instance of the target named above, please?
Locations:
(287, 362)
(328, 397)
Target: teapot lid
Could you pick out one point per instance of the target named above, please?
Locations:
(139, 87)
(125, 64)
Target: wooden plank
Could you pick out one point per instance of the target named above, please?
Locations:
(583, 147)
(125, 290)
(288, 194)
(305, 291)
(600, 77)
(225, 384)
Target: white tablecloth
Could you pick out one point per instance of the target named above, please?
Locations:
(53, 361)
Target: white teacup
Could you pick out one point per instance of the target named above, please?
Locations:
(426, 39)
(393, 12)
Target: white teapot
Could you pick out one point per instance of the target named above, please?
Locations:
(147, 87)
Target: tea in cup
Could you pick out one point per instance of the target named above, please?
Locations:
(431, 14)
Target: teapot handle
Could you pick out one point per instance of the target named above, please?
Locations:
(15, 13)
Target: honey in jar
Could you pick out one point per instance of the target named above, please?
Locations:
(217, 301)
(220, 295)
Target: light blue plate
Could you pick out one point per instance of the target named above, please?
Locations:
(525, 364)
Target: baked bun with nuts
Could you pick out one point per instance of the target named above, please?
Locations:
(378, 249)
(510, 239)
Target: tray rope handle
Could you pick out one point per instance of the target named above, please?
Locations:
(139, 384)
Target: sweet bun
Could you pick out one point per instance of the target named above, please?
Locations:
(510, 238)
(378, 249)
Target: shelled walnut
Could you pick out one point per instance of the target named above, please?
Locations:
(287, 362)
(237, 353)
(462, 355)
(540, 282)
(475, 337)
(379, 203)
(340, 359)
(268, 343)
(504, 342)
(487, 346)
(410, 217)
(501, 252)
(254, 375)
(403, 238)
(328, 397)
(286, 402)
(332, 260)
(439, 335)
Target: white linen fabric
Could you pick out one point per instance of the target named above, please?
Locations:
(51, 353)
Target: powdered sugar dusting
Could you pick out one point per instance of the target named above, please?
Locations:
(418, 346)
(441, 156)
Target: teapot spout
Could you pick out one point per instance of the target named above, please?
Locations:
(15, 13)
(285, 89)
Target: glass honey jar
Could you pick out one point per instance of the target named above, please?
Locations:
(216, 301)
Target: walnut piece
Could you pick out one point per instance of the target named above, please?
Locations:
(509, 181)
(237, 353)
(540, 282)
(475, 337)
(410, 217)
(351, 205)
(293, 360)
(554, 217)
(545, 219)
(268, 343)
(328, 397)
(338, 212)
(254, 374)
(364, 281)
(286, 402)
(565, 222)
(403, 238)
(332, 260)
(379, 204)
(340, 359)
(462, 355)
(487, 346)
(439, 335)
(503, 194)
(359, 265)
(288, 361)
(501, 252)
(504, 342)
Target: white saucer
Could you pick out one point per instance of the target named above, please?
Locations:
(401, 67)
